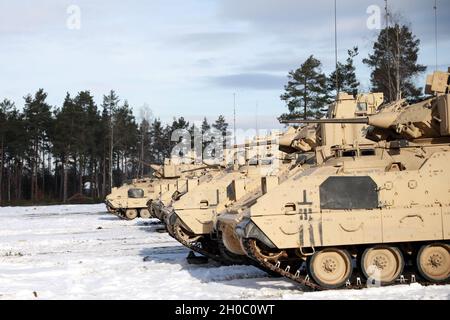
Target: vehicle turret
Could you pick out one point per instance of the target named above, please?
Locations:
(399, 120)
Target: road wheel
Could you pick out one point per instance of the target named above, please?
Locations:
(433, 262)
(331, 268)
(131, 214)
(383, 264)
(144, 214)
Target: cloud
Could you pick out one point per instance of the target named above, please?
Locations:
(209, 40)
(202, 50)
(315, 19)
(257, 81)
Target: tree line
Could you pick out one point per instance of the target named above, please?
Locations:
(393, 65)
(76, 152)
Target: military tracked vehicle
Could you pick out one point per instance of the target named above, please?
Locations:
(158, 207)
(318, 140)
(190, 216)
(369, 215)
(192, 219)
(130, 200)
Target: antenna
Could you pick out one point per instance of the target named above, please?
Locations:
(387, 50)
(234, 117)
(257, 134)
(436, 31)
(235, 157)
(336, 48)
(256, 118)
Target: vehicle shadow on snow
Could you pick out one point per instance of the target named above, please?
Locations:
(154, 229)
(109, 218)
(151, 225)
(244, 276)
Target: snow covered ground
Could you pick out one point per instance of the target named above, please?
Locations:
(82, 252)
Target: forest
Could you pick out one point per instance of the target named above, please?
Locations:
(63, 154)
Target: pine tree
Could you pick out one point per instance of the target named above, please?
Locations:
(159, 142)
(394, 63)
(346, 76)
(180, 123)
(221, 125)
(306, 91)
(205, 125)
(177, 124)
(37, 121)
(16, 147)
(110, 103)
(87, 138)
(6, 107)
(125, 141)
(64, 139)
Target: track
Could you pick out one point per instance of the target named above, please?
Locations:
(199, 244)
(286, 269)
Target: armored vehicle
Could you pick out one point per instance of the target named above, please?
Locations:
(369, 215)
(192, 218)
(130, 200)
(317, 139)
(159, 207)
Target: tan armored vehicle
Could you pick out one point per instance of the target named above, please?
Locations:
(318, 140)
(158, 206)
(192, 218)
(367, 212)
(130, 200)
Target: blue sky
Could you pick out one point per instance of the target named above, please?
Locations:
(188, 57)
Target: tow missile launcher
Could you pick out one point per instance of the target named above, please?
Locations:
(369, 214)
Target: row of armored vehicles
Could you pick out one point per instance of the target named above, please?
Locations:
(359, 198)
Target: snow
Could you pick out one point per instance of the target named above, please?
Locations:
(82, 252)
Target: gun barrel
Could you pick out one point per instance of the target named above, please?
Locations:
(350, 120)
